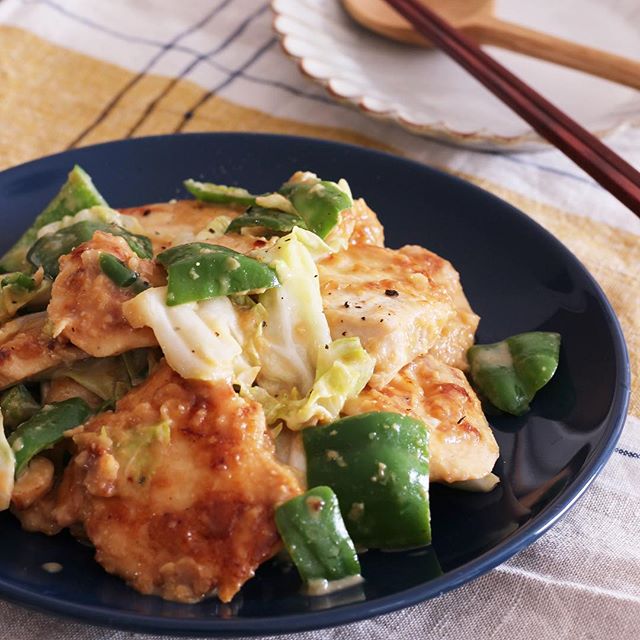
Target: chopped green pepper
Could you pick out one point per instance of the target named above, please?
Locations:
(256, 216)
(19, 281)
(319, 203)
(314, 534)
(17, 405)
(18, 290)
(199, 271)
(45, 428)
(378, 465)
(209, 192)
(509, 373)
(120, 274)
(47, 250)
(76, 194)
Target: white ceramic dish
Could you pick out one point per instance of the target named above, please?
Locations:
(427, 93)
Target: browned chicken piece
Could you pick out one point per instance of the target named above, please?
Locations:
(357, 225)
(458, 335)
(86, 306)
(367, 228)
(62, 388)
(33, 483)
(400, 303)
(177, 488)
(170, 223)
(461, 443)
(38, 515)
(173, 223)
(27, 349)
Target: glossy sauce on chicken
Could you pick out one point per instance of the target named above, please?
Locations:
(177, 488)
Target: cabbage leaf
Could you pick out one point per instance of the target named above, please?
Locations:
(295, 326)
(203, 340)
(7, 469)
(343, 369)
(99, 213)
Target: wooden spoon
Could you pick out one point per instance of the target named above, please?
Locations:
(476, 19)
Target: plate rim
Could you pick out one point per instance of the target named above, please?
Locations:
(351, 613)
(479, 139)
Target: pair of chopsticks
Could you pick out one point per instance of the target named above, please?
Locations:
(605, 166)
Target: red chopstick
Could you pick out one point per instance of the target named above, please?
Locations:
(605, 166)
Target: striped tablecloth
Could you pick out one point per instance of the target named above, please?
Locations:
(77, 72)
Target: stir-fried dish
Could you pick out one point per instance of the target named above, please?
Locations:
(193, 387)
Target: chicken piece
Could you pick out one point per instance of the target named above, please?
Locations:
(367, 228)
(62, 388)
(458, 334)
(86, 306)
(177, 488)
(33, 484)
(27, 349)
(461, 443)
(173, 223)
(38, 516)
(357, 225)
(390, 300)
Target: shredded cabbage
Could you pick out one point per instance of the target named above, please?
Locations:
(201, 340)
(133, 452)
(276, 201)
(343, 369)
(7, 468)
(215, 229)
(296, 328)
(94, 214)
(108, 378)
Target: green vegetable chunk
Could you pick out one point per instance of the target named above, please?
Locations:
(76, 194)
(209, 192)
(314, 534)
(17, 405)
(120, 274)
(509, 373)
(47, 250)
(378, 465)
(19, 281)
(45, 428)
(199, 271)
(278, 221)
(18, 290)
(318, 202)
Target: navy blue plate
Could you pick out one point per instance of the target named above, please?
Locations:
(517, 277)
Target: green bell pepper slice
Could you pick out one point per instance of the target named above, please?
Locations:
(272, 219)
(19, 290)
(199, 271)
(76, 194)
(315, 536)
(378, 465)
(19, 281)
(17, 406)
(120, 274)
(45, 428)
(510, 372)
(219, 193)
(47, 250)
(319, 203)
